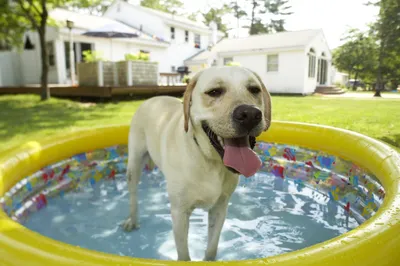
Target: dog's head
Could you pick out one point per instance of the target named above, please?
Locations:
(231, 104)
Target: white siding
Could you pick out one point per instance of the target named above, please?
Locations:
(30, 60)
(135, 18)
(178, 50)
(288, 79)
(9, 69)
(320, 46)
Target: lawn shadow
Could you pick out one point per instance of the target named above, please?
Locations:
(26, 115)
(393, 140)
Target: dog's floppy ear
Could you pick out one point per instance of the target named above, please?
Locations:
(267, 101)
(187, 98)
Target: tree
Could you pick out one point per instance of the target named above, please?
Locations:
(216, 14)
(193, 16)
(93, 7)
(35, 13)
(12, 28)
(168, 6)
(262, 13)
(32, 15)
(238, 12)
(256, 26)
(387, 31)
(357, 55)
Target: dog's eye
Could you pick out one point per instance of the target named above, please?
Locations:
(215, 92)
(254, 89)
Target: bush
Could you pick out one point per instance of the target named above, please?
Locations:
(233, 63)
(185, 79)
(137, 57)
(92, 56)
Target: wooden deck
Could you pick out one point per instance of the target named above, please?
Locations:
(98, 92)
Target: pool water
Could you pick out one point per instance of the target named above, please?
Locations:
(299, 198)
(267, 215)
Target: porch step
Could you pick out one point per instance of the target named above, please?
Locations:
(329, 90)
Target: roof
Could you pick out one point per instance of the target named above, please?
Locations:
(85, 22)
(279, 40)
(167, 16)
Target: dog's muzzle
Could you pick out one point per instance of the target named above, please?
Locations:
(246, 117)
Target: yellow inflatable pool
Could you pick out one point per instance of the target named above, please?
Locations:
(374, 242)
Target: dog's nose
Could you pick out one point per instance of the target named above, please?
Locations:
(247, 116)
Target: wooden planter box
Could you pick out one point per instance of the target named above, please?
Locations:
(132, 73)
(124, 73)
(97, 74)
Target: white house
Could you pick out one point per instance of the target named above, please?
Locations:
(168, 40)
(23, 68)
(185, 37)
(339, 77)
(288, 62)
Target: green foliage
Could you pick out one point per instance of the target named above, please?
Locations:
(216, 14)
(92, 56)
(358, 56)
(93, 7)
(186, 79)
(387, 32)
(193, 16)
(168, 6)
(238, 10)
(273, 10)
(231, 63)
(137, 57)
(258, 27)
(12, 27)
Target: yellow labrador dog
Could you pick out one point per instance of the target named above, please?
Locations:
(201, 147)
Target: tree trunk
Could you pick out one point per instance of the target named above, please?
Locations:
(45, 95)
(237, 19)
(253, 10)
(347, 83)
(355, 80)
(379, 79)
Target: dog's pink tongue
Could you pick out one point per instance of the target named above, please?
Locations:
(239, 156)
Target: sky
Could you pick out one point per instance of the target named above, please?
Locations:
(334, 17)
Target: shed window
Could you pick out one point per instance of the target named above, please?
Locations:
(51, 54)
(312, 61)
(186, 36)
(227, 60)
(272, 63)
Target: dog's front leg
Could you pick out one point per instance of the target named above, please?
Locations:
(216, 219)
(180, 225)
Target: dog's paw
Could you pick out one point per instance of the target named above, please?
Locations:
(130, 225)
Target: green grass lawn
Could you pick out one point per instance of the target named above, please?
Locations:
(24, 118)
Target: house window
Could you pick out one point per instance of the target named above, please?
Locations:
(186, 36)
(272, 63)
(144, 52)
(312, 61)
(28, 44)
(50, 53)
(197, 43)
(173, 68)
(227, 60)
(172, 33)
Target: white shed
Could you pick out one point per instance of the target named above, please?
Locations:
(293, 62)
